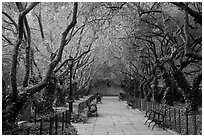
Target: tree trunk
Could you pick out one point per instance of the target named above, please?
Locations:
(15, 51)
(27, 52)
(196, 98)
(168, 96)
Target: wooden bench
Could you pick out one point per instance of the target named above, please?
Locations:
(156, 116)
(98, 99)
(150, 110)
(131, 103)
(121, 96)
(92, 110)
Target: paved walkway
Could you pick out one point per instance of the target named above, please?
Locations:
(115, 118)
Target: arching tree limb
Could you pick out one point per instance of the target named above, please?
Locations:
(11, 19)
(58, 57)
(188, 51)
(197, 15)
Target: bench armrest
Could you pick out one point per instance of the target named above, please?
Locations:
(158, 113)
(148, 112)
(153, 114)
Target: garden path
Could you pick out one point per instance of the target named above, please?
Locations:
(115, 118)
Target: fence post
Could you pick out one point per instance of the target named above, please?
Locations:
(56, 124)
(147, 105)
(28, 131)
(186, 122)
(141, 104)
(165, 114)
(41, 126)
(170, 117)
(35, 116)
(53, 113)
(179, 122)
(78, 108)
(50, 128)
(159, 106)
(69, 118)
(139, 101)
(194, 125)
(62, 121)
(136, 102)
(152, 104)
(175, 117)
(66, 119)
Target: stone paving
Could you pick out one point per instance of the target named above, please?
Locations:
(116, 118)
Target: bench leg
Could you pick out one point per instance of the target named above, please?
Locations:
(150, 123)
(163, 125)
(160, 124)
(154, 126)
(146, 121)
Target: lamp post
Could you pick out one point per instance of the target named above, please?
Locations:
(70, 65)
